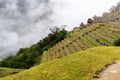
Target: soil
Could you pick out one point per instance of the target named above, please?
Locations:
(111, 73)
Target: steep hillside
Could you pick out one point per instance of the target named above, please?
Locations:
(82, 38)
(79, 66)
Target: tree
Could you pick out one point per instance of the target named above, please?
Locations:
(21, 50)
(55, 29)
(117, 42)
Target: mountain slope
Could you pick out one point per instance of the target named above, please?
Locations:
(8, 71)
(78, 66)
(82, 38)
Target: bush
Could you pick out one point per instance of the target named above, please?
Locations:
(117, 42)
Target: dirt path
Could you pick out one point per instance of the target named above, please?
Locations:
(111, 73)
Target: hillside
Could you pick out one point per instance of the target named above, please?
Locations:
(79, 66)
(8, 71)
(82, 38)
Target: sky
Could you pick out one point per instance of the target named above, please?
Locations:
(25, 22)
(73, 12)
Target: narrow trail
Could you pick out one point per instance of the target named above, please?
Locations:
(111, 73)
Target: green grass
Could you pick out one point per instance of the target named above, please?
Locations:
(8, 71)
(101, 39)
(45, 56)
(79, 66)
(88, 41)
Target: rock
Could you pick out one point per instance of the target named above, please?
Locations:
(15, 72)
(96, 76)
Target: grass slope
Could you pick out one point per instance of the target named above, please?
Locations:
(78, 66)
(8, 71)
(45, 57)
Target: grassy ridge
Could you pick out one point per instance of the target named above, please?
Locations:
(78, 66)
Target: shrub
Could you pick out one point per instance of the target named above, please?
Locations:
(117, 42)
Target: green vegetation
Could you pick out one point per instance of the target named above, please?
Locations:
(45, 56)
(79, 66)
(28, 57)
(8, 71)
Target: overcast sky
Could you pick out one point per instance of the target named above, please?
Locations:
(24, 22)
(73, 12)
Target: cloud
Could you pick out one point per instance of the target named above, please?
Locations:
(22, 23)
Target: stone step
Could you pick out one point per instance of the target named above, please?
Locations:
(101, 39)
(84, 43)
(70, 46)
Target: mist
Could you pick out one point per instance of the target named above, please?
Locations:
(25, 22)
(22, 23)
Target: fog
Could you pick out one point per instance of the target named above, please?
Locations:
(25, 22)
